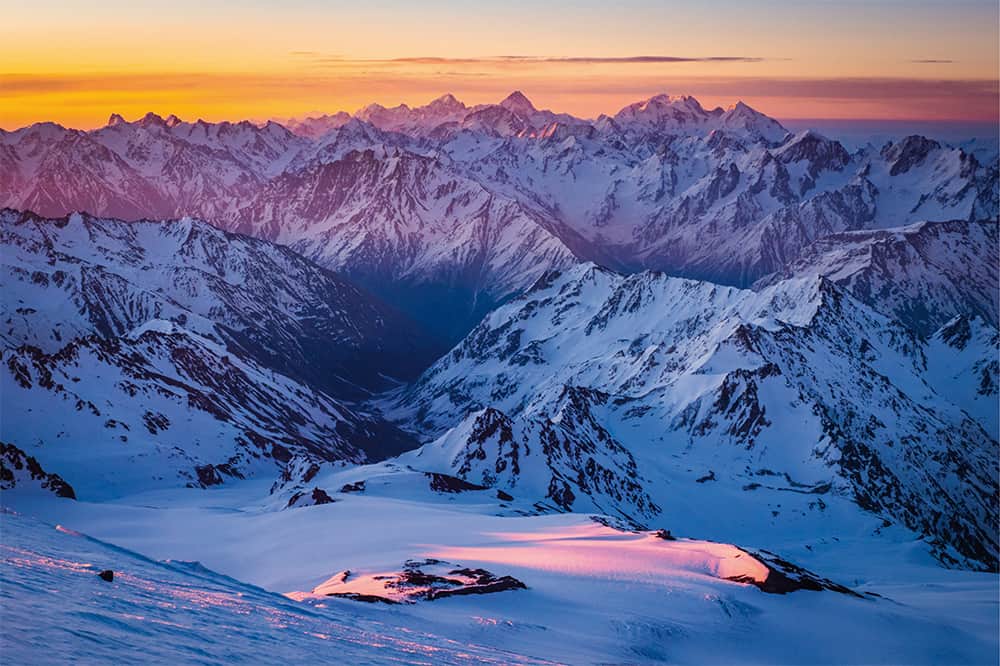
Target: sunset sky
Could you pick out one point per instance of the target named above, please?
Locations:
(76, 62)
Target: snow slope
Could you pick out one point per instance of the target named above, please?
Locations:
(57, 610)
(164, 407)
(593, 594)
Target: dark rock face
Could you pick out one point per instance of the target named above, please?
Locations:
(212, 475)
(314, 498)
(356, 487)
(365, 598)
(444, 483)
(107, 575)
(431, 580)
(19, 469)
(784, 577)
(485, 583)
(319, 496)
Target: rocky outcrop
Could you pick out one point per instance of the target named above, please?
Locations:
(21, 471)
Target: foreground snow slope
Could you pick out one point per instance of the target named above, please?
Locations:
(594, 594)
(56, 610)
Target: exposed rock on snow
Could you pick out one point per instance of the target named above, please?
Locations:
(419, 580)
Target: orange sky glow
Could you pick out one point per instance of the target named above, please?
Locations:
(922, 60)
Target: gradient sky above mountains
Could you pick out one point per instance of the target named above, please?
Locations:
(74, 63)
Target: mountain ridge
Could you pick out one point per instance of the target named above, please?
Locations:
(727, 195)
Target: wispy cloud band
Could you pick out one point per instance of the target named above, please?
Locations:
(573, 60)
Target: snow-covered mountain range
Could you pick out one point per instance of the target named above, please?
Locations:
(433, 242)
(487, 383)
(141, 354)
(612, 393)
(73, 276)
(447, 210)
(922, 274)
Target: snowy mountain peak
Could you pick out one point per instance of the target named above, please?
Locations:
(518, 104)
(445, 104)
(151, 119)
(820, 152)
(314, 127)
(116, 119)
(682, 101)
(909, 152)
(664, 108)
(759, 126)
(369, 111)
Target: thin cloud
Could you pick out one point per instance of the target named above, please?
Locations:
(864, 88)
(648, 59)
(815, 88)
(932, 61)
(530, 60)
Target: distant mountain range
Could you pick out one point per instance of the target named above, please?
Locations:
(448, 210)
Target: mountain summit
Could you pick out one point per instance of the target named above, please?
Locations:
(518, 104)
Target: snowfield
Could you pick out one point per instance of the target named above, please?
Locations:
(56, 610)
(594, 594)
